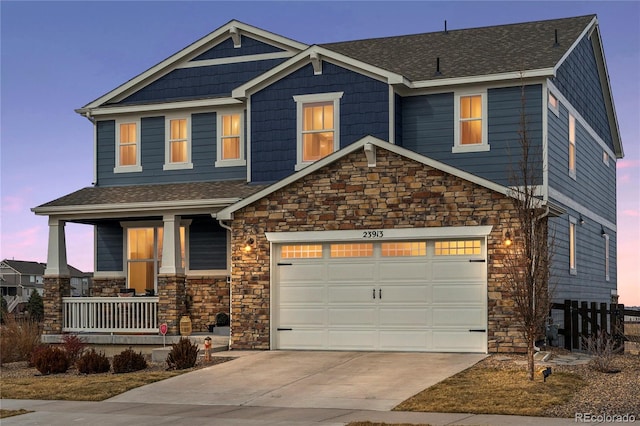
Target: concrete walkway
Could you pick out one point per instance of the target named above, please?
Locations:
(278, 388)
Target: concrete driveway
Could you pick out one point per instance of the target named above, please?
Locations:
(300, 379)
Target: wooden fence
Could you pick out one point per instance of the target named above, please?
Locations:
(584, 319)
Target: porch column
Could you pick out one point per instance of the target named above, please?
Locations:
(57, 281)
(57, 250)
(171, 253)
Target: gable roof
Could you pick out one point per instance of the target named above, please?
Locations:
(470, 52)
(27, 267)
(230, 29)
(368, 143)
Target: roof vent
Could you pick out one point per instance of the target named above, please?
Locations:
(445, 27)
(438, 66)
(555, 40)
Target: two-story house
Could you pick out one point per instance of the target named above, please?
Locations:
(351, 195)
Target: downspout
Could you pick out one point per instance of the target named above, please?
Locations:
(227, 227)
(543, 215)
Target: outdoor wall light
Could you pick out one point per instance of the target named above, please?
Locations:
(603, 232)
(248, 245)
(507, 238)
(581, 220)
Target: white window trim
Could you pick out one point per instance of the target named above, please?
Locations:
(168, 165)
(301, 100)
(605, 158)
(554, 109)
(138, 166)
(607, 259)
(572, 172)
(229, 163)
(573, 223)
(484, 146)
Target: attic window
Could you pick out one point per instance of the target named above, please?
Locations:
(554, 105)
(470, 131)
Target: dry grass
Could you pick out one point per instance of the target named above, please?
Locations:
(11, 413)
(495, 391)
(18, 338)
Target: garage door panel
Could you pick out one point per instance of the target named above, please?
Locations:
(458, 293)
(350, 293)
(460, 270)
(301, 339)
(403, 271)
(348, 272)
(301, 294)
(365, 317)
(298, 273)
(405, 340)
(458, 341)
(464, 317)
(402, 293)
(353, 339)
(407, 317)
(301, 315)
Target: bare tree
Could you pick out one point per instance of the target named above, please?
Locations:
(527, 258)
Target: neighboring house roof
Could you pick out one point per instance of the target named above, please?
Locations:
(470, 52)
(27, 267)
(120, 199)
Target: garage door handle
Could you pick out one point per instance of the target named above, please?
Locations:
(477, 260)
(478, 330)
(284, 329)
(374, 293)
(284, 264)
(380, 293)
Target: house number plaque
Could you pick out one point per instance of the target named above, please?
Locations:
(372, 234)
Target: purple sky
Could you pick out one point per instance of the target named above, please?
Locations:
(58, 56)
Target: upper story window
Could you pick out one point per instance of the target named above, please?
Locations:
(572, 146)
(127, 147)
(178, 143)
(605, 158)
(572, 245)
(318, 126)
(230, 142)
(553, 104)
(470, 131)
(607, 277)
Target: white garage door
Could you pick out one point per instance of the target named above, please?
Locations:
(427, 295)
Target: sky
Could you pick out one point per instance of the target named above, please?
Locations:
(58, 56)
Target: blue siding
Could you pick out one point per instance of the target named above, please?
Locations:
(589, 283)
(364, 110)
(577, 79)
(249, 46)
(595, 183)
(203, 154)
(428, 128)
(200, 82)
(207, 245)
(109, 250)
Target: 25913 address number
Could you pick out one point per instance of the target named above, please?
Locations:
(372, 234)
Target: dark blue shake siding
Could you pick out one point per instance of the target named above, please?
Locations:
(200, 82)
(577, 79)
(595, 183)
(152, 138)
(428, 127)
(364, 110)
(589, 283)
(225, 49)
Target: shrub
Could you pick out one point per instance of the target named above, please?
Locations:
(35, 306)
(4, 309)
(603, 348)
(92, 362)
(18, 339)
(51, 360)
(128, 361)
(183, 354)
(74, 346)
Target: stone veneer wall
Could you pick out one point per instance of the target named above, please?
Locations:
(55, 288)
(107, 287)
(206, 296)
(172, 299)
(347, 194)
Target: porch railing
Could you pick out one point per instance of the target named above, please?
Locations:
(110, 314)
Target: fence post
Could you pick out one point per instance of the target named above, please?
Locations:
(575, 332)
(584, 314)
(567, 325)
(603, 318)
(594, 319)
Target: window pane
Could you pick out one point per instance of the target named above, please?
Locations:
(128, 155)
(231, 125)
(572, 129)
(457, 247)
(178, 129)
(476, 107)
(140, 243)
(318, 116)
(317, 145)
(572, 245)
(301, 251)
(352, 250)
(471, 132)
(231, 148)
(404, 249)
(179, 152)
(328, 116)
(572, 157)
(128, 133)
